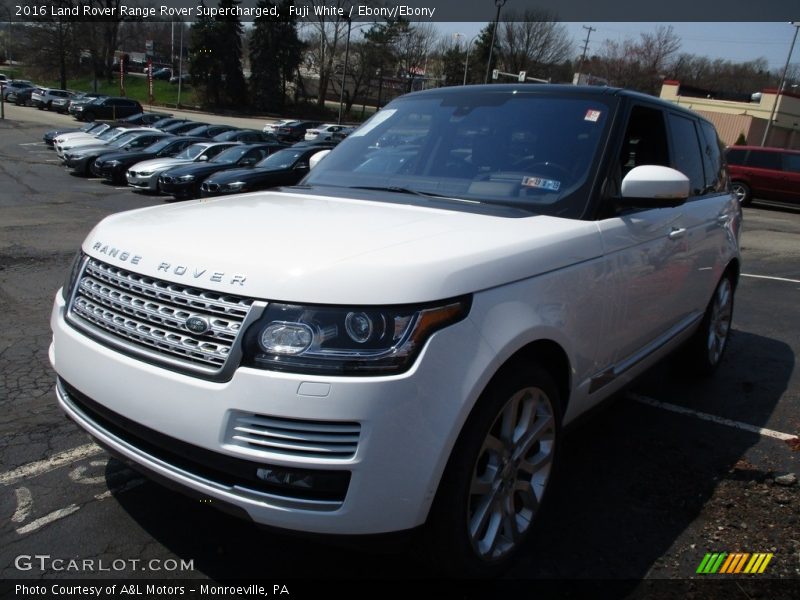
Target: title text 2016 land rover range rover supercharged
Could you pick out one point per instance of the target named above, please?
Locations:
(399, 340)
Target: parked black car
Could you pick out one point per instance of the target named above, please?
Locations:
(209, 131)
(80, 159)
(167, 121)
(182, 128)
(147, 119)
(113, 165)
(21, 97)
(185, 181)
(295, 131)
(285, 167)
(111, 108)
(14, 86)
(248, 136)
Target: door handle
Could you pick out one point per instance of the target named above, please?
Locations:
(676, 233)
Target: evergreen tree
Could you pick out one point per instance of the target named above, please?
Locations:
(275, 54)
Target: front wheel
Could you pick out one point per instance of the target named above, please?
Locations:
(742, 192)
(498, 474)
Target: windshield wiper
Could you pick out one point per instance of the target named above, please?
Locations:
(405, 190)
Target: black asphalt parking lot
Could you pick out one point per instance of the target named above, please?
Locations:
(644, 490)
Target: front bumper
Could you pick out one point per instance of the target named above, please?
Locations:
(407, 424)
(143, 182)
(180, 189)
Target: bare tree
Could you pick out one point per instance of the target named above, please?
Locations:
(532, 41)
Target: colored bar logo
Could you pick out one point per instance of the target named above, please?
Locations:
(734, 563)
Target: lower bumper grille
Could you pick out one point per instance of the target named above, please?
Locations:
(325, 488)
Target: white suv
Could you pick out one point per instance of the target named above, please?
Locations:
(400, 340)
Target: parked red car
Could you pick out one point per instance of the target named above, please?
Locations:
(768, 173)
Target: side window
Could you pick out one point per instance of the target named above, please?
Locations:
(765, 160)
(791, 162)
(736, 156)
(645, 140)
(686, 152)
(712, 158)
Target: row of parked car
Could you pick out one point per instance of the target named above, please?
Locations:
(161, 154)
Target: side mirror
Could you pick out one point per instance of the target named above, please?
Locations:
(247, 162)
(301, 166)
(203, 158)
(654, 186)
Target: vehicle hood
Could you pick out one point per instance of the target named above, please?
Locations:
(86, 149)
(244, 174)
(76, 135)
(307, 248)
(197, 169)
(82, 143)
(155, 164)
(126, 157)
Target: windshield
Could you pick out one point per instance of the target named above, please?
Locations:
(191, 152)
(283, 159)
(231, 155)
(110, 133)
(124, 139)
(528, 150)
(160, 145)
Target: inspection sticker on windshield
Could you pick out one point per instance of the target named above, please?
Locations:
(592, 115)
(542, 184)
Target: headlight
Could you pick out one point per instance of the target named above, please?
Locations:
(346, 340)
(186, 178)
(72, 276)
(113, 163)
(234, 186)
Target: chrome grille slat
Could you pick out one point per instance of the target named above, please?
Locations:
(293, 437)
(149, 315)
(153, 311)
(143, 333)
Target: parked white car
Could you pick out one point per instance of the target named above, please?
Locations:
(399, 341)
(103, 139)
(328, 131)
(144, 175)
(273, 127)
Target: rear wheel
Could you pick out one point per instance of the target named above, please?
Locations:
(497, 475)
(705, 350)
(742, 192)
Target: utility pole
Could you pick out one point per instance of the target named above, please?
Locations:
(796, 25)
(589, 31)
(499, 4)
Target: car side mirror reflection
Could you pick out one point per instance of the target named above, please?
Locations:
(653, 186)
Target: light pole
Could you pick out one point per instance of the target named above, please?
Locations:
(344, 71)
(796, 25)
(499, 4)
(466, 62)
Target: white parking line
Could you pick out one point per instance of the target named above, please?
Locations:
(772, 278)
(24, 505)
(49, 464)
(47, 519)
(713, 418)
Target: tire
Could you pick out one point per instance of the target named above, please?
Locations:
(705, 350)
(491, 491)
(49, 106)
(742, 192)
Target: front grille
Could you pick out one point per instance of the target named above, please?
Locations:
(210, 187)
(293, 437)
(151, 314)
(163, 179)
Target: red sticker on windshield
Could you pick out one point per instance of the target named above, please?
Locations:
(592, 115)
